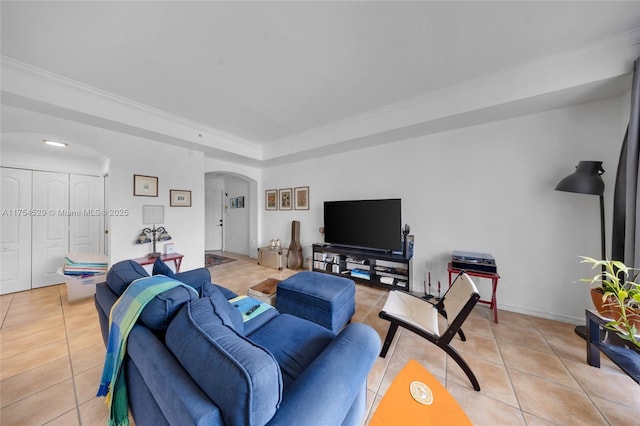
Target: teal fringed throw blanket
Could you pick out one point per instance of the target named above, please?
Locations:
(124, 314)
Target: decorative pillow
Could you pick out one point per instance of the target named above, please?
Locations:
(161, 268)
(196, 278)
(240, 377)
(229, 315)
(161, 309)
(200, 279)
(228, 294)
(124, 273)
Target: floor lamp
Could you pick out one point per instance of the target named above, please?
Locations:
(587, 179)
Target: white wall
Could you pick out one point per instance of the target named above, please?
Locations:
(176, 168)
(486, 188)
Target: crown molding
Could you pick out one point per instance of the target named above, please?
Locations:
(554, 74)
(41, 85)
(606, 59)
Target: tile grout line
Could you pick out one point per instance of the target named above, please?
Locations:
(6, 313)
(39, 390)
(542, 334)
(48, 387)
(73, 376)
(506, 369)
(468, 386)
(576, 380)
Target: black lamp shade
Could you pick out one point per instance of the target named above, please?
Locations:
(586, 179)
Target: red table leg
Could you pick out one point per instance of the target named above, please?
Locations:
(493, 276)
(494, 302)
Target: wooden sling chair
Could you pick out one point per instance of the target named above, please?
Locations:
(421, 317)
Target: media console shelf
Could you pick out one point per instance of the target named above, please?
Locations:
(366, 266)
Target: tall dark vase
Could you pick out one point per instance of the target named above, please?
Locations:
(294, 258)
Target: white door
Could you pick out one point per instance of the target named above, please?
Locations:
(106, 220)
(85, 195)
(50, 233)
(15, 237)
(213, 217)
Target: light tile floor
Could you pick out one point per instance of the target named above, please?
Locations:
(532, 371)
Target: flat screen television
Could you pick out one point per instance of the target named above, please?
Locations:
(368, 224)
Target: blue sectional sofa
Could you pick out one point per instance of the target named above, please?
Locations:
(192, 360)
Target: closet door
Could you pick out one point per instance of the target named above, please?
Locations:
(50, 233)
(85, 199)
(15, 233)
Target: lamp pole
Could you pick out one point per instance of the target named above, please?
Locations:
(587, 179)
(602, 236)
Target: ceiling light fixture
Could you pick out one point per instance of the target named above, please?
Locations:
(55, 143)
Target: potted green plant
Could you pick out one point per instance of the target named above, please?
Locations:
(620, 294)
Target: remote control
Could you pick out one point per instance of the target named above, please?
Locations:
(252, 310)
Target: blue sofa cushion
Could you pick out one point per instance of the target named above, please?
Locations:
(256, 323)
(199, 278)
(228, 294)
(241, 378)
(161, 268)
(294, 342)
(161, 309)
(229, 315)
(124, 273)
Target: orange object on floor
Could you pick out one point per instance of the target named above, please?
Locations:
(398, 407)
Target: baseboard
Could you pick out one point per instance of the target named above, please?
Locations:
(557, 317)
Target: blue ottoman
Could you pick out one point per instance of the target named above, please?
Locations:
(324, 299)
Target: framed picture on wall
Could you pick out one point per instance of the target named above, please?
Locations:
(241, 202)
(234, 203)
(152, 215)
(301, 198)
(271, 199)
(284, 196)
(145, 186)
(179, 198)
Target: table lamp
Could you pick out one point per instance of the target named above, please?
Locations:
(152, 215)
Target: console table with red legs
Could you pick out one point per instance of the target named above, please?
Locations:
(175, 257)
(493, 276)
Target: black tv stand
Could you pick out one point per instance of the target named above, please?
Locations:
(380, 268)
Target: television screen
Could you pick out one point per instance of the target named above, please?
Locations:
(372, 224)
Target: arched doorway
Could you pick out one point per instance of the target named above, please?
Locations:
(230, 213)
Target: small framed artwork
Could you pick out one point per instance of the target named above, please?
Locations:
(169, 248)
(234, 203)
(271, 199)
(241, 202)
(284, 196)
(145, 186)
(301, 198)
(152, 215)
(179, 198)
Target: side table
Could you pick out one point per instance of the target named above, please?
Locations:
(398, 407)
(627, 359)
(493, 276)
(175, 257)
(272, 258)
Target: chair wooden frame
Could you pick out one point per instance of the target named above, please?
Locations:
(441, 340)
